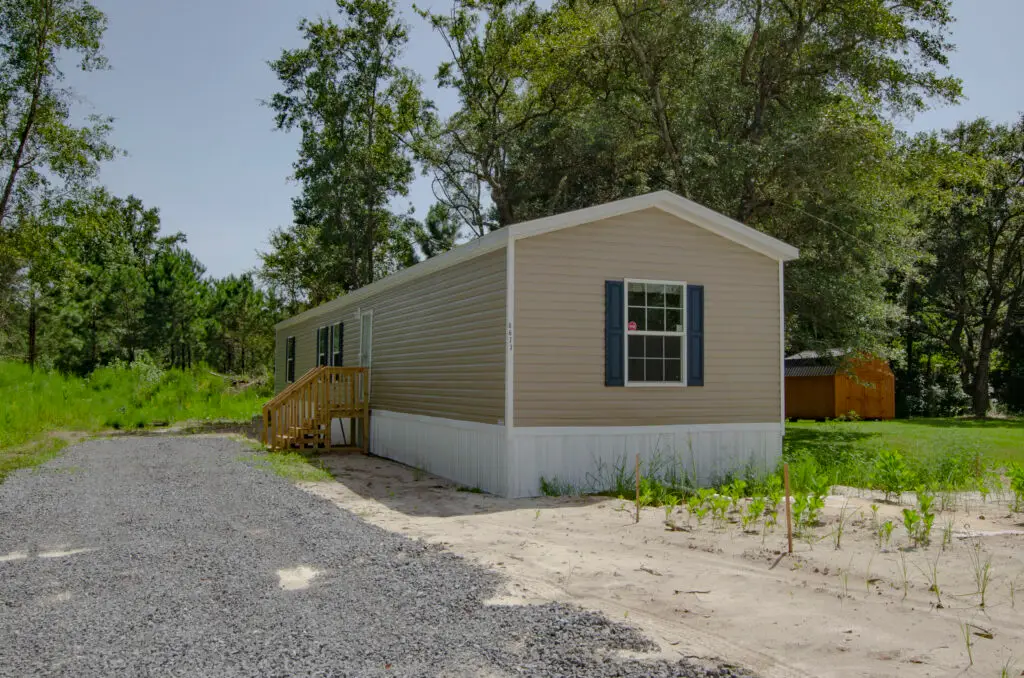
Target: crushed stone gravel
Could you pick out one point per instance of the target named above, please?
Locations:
(162, 557)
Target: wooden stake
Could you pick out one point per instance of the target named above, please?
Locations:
(789, 516)
(638, 487)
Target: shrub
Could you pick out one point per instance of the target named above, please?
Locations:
(891, 475)
(1016, 474)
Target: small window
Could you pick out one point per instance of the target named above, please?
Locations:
(655, 333)
(289, 359)
(323, 343)
(337, 336)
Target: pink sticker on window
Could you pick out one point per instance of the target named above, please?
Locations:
(632, 326)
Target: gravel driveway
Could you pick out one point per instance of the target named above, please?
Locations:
(168, 557)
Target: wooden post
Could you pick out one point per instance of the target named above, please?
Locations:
(637, 487)
(789, 515)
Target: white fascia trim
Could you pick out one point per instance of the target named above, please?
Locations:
(510, 308)
(671, 203)
(782, 345)
(475, 248)
(664, 200)
(767, 427)
(424, 419)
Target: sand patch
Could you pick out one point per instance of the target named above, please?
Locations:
(295, 578)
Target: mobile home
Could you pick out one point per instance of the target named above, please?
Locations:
(562, 347)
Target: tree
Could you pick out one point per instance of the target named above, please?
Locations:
(356, 110)
(438, 232)
(771, 111)
(38, 143)
(974, 290)
(497, 48)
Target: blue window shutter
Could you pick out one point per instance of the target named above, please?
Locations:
(614, 333)
(694, 335)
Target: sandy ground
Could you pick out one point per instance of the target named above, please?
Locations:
(718, 592)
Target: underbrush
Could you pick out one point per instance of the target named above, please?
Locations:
(838, 456)
(121, 396)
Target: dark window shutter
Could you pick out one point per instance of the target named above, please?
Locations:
(694, 335)
(614, 333)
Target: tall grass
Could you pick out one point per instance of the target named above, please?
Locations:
(116, 397)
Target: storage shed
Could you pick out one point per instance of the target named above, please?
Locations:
(833, 384)
(560, 348)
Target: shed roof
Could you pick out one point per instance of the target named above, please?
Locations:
(809, 370)
(666, 201)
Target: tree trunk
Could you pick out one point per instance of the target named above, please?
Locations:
(33, 312)
(979, 387)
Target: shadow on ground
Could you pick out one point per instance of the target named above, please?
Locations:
(413, 492)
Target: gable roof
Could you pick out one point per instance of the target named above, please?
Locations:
(665, 201)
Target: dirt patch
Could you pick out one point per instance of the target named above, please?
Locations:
(718, 592)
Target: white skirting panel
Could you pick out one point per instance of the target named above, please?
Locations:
(588, 459)
(469, 453)
(488, 457)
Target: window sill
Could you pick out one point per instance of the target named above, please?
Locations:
(655, 384)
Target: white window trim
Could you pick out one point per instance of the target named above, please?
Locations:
(626, 334)
(317, 344)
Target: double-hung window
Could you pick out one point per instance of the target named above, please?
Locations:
(289, 360)
(655, 333)
(337, 333)
(323, 345)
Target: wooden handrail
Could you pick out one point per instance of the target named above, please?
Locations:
(301, 414)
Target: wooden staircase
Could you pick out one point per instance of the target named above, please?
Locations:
(299, 417)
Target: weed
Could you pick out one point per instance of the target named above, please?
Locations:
(670, 505)
(890, 474)
(965, 631)
(753, 513)
(874, 518)
(905, 575)
(536, 515)
(553, 487)
(719, 508)
(471, 490)
(1009, 668)
(735, 492)
(982, 565)
(885, 533)
(947, 534)
(868, 579)
(912, 523)
(932, 575)
(1016, 475)
(840, 526)
(699, 504)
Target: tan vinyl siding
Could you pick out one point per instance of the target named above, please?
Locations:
(438, 342)
(559, 325)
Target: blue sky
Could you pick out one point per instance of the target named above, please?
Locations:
(188, 78)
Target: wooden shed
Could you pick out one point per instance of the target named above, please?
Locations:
(833, 384)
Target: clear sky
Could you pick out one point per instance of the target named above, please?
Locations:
(188, 78)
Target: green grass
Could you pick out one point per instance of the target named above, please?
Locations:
(951, 453)
(291, 465)
(29, 455)
(117, 397)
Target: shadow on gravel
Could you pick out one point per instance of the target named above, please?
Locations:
(186, 579)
